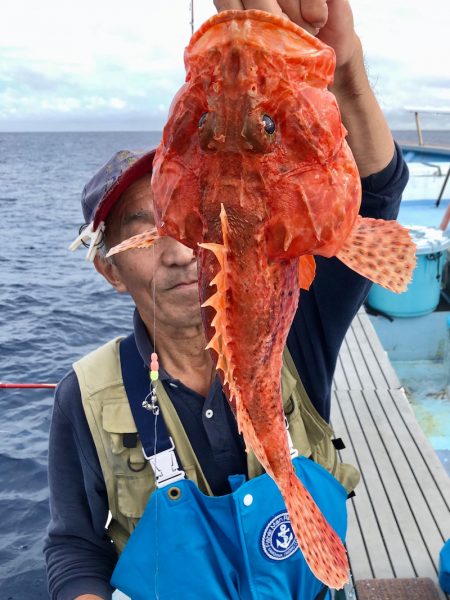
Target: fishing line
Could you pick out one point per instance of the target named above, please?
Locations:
(154, 384)
(151, 403)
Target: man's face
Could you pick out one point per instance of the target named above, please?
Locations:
(162, 280)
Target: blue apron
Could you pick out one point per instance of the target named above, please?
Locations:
(240, 546)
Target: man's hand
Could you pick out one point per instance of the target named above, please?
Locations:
(331, 21)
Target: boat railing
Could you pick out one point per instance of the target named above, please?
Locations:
(422, 147)
(417, 112)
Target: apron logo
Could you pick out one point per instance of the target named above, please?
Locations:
(278, 541)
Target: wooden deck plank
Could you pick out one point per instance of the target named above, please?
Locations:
(348, 366)
(367, 356)
(402, 502)
(379, 526)
(428, 471)
(365, 378)
(424, 499)
(400, 517)
(374, 354)
(362, 361)
(356, 545)
(339, 380)
(381, 356)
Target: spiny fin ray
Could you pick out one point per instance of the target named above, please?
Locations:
(306, 271)
(142, 240)
(218, 342)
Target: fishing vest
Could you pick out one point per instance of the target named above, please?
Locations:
(128, 479)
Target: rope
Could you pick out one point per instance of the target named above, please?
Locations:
(8, 385)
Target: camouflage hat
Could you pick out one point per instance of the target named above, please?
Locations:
(101, 193)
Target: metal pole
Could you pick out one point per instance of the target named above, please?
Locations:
(419, 131)
(441, 193)
(192, 17)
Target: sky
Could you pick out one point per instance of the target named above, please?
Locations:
(98, 65)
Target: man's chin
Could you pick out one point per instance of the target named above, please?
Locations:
(184, 304)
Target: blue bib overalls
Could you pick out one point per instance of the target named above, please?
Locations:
(240, 546)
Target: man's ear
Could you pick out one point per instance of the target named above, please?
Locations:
(110, 272)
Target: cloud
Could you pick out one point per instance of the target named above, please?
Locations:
(112, 63)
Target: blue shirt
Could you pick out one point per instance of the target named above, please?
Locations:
(80, 557)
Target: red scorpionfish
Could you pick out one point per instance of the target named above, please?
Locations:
(254, 174)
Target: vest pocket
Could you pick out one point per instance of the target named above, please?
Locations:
(117, 420)
(133, 493)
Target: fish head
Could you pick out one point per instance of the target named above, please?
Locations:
(255, 129)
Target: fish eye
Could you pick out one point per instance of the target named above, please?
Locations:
(202, 119)
(269, 124)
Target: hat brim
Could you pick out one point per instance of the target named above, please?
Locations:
(142, 166)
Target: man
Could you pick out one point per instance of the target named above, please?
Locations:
(95, 462)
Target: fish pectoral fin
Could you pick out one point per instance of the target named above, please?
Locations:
(306, 271)
(142, 240)
(382, 251)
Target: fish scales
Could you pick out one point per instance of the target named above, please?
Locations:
(255, 175)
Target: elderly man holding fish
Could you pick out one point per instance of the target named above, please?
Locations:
(141, 428)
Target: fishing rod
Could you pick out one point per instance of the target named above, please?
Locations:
(9, 385)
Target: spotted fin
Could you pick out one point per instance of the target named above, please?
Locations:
(321, 546)
(306, 271)
(382, 251)
(142, 240)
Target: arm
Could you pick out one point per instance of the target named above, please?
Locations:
(368, 136)
(80, 557)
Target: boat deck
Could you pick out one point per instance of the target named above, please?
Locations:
(400, 516)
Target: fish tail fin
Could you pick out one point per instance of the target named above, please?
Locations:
(142, 240)
(382, 251)
(320, 545)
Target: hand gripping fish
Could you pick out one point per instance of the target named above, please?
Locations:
(254, 174)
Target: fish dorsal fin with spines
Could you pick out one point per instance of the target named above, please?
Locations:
(382, 251)
(220, 339)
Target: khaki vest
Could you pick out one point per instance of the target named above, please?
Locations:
(130, 481)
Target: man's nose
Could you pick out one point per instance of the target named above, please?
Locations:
(176, 254)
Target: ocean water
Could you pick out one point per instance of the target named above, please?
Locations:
(54, 308)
